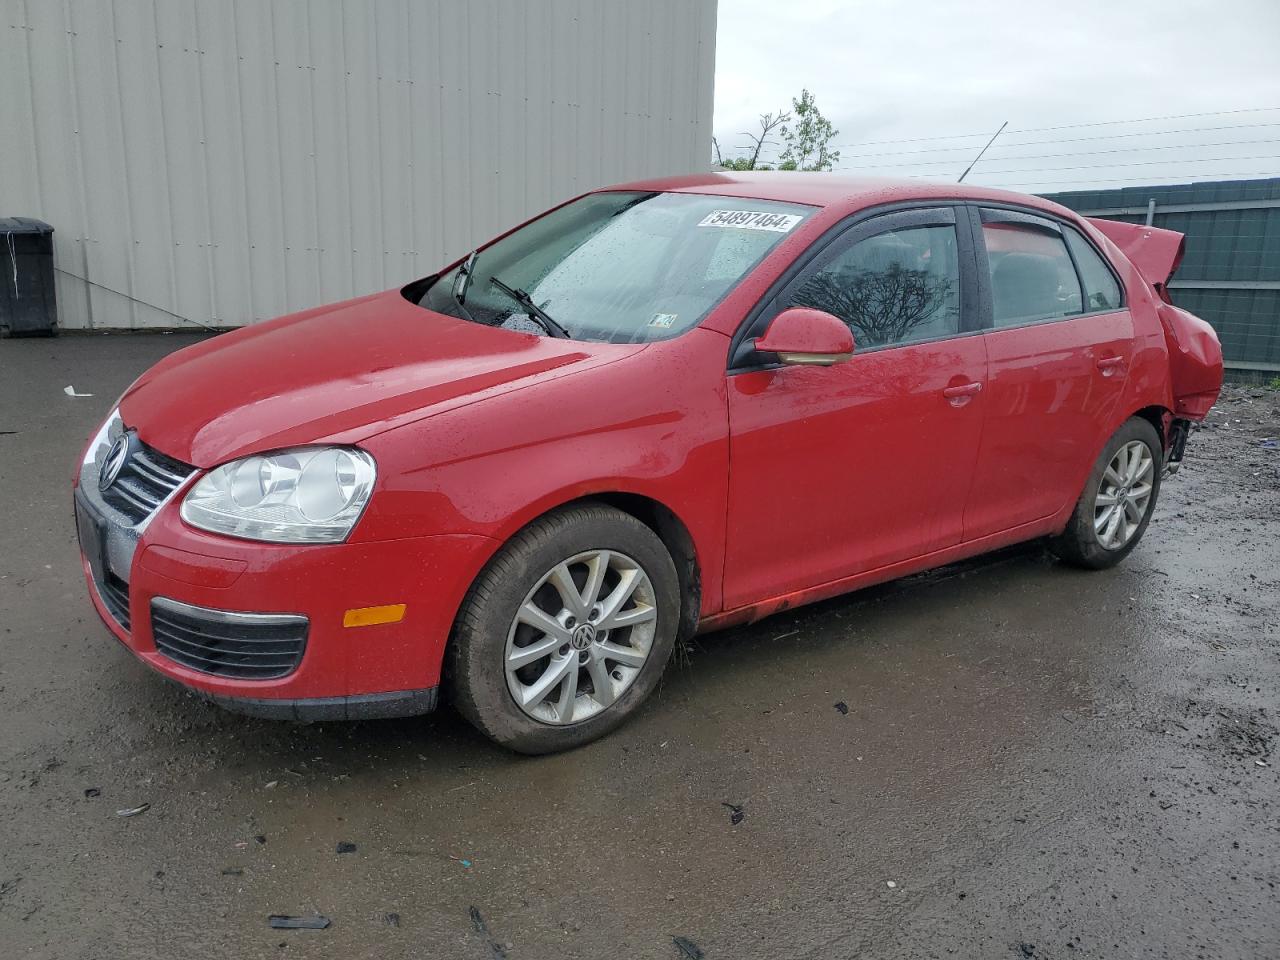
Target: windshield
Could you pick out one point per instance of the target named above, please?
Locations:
(620, 267)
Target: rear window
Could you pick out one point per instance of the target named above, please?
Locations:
(1101, 291)
(1032, 275)
(621, 267)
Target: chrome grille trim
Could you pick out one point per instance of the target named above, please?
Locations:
(144, 462)
(146, 480)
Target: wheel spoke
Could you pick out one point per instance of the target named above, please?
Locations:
(640, 613)
(541, 688)
(626, 656)
(562, 580)
(601, 680)
(1134, 465)
(1109, 534)
(1144, 468)
(1105, 499)
(1100, 520)
(615, 601)
(568, 693)
(1111, 476)
(597, 567)
(1132, 513)
(1140, 493)
(539, 619)
(523, 656)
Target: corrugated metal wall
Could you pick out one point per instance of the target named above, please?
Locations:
(231, 160)
(1230, 275)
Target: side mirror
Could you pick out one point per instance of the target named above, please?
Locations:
(800, 335)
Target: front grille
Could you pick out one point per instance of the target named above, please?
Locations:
(115, 597)
(147, 477)
(241, 646)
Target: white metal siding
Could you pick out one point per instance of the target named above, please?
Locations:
(232, 160)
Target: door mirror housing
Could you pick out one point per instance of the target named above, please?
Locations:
(801, 335)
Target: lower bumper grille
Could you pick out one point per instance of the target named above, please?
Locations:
(240, 646)
(115, 597)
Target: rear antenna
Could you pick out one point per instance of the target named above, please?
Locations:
(982, 151)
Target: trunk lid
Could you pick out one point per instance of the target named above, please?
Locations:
(1195, 354)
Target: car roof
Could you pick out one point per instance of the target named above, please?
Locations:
(831, 189)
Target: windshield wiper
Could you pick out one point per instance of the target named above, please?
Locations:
(532, 309)
(462, 280)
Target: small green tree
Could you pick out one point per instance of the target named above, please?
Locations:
(808, 139)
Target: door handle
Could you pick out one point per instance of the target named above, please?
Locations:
(1109, 365)
(959, 395)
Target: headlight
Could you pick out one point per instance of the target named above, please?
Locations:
(102, 440)
(311, 495)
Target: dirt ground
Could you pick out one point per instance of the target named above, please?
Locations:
(1034, 761)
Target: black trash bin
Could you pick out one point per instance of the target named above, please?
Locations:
(27, 305)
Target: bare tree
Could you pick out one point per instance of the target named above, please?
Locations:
(769, 122)
(882, 306)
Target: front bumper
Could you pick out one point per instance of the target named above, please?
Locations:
(340, 672)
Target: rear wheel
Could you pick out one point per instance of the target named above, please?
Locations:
(567, 630)
(1118, 499)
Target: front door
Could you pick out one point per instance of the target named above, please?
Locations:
(842, 469)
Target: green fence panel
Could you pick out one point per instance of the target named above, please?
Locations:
(1233, 248)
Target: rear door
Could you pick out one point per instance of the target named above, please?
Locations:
(842, 469)
(1059, 342)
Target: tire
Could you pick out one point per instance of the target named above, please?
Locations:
(615, 649)
(1083, 543)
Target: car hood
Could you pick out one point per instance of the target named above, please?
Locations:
(336, 374)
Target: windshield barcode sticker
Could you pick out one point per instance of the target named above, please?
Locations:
(751, 220)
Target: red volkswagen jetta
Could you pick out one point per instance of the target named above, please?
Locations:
(659, 408)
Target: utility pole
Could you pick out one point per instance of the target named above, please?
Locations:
(982, 151)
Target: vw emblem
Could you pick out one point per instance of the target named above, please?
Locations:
(584, 636)
(114, 462)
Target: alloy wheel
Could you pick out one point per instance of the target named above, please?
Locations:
(1124, 495)
(581, 637)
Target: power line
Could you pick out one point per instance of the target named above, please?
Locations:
(1053, 156)
(1176, 116)
(1136, 163)
(1041, 143)
(1175, 178)
(1069, 126)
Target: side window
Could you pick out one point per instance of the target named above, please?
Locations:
(1032, 276)
(1101, 291)
(892, 288)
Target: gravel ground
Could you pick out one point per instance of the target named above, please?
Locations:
(1004, 758)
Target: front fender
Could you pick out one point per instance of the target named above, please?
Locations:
(654, 425)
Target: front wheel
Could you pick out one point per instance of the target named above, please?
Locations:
(1118, 500)
(566, 631)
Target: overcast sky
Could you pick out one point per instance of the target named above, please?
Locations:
(889, 70)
